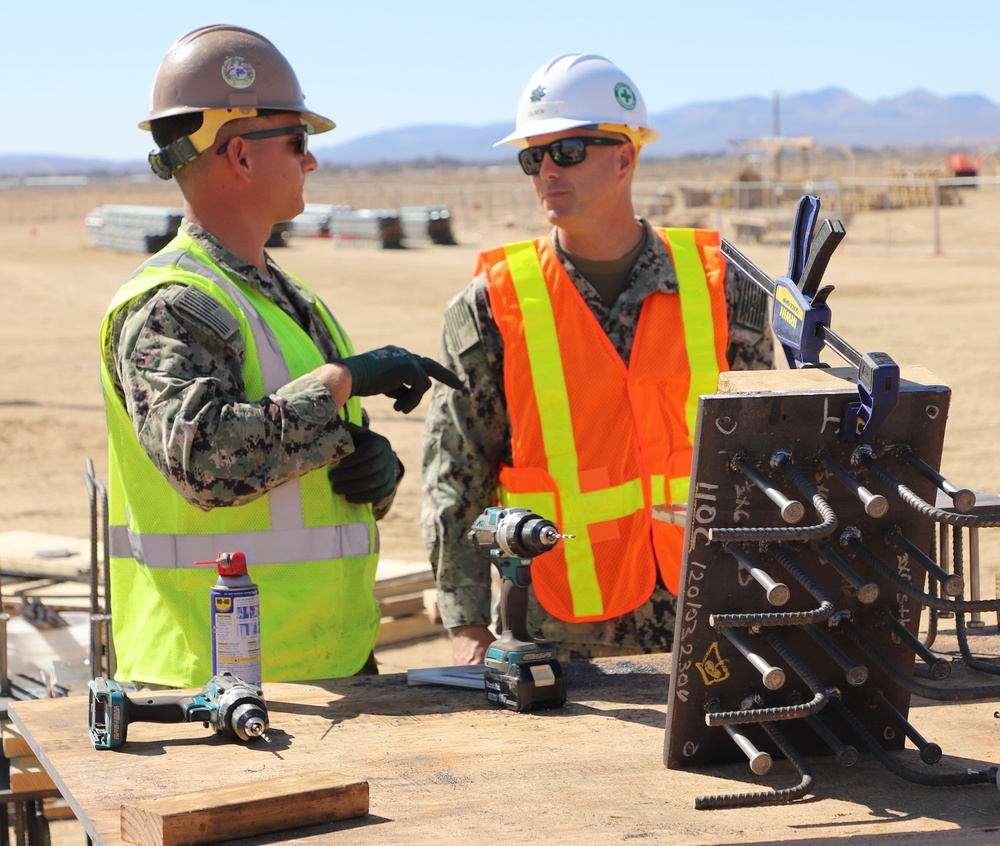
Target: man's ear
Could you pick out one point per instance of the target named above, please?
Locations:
(236, 153)
(628, 159)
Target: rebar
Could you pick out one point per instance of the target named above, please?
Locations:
(864, 455)
(939, 667)
(952, 584)
(875, 505)
(934, 779)
(775, 797)
(964, 499)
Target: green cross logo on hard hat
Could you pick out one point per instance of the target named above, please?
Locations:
(537, 94)
(625, 96)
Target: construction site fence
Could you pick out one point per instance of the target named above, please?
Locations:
(916, 215)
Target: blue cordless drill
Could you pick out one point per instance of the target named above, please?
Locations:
(226, 703)
(522, 673)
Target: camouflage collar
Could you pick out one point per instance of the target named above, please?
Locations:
(240, 267)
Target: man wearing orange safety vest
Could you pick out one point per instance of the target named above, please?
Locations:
(583, 354)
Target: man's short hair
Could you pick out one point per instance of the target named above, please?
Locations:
(168, 129)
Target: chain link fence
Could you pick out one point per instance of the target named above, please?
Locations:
(909, 215)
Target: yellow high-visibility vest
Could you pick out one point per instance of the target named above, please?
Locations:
(312, 554)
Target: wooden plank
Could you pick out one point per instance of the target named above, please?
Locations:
(406, 583)
(399, 629)
(238, 811)
(15, 746)
(403, 605)
(811, 379)
(59, 595)
(27, 776)
(57, 809)
(28, 553)
(444, 766)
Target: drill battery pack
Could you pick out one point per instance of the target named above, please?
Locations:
(525, 682)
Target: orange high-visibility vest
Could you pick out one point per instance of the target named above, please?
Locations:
(596, 444)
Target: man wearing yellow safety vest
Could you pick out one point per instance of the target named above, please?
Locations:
(583, 354)
(232, 394)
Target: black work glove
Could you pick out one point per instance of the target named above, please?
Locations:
(369, 473)
(397, 373)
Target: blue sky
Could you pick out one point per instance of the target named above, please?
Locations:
(76, 76)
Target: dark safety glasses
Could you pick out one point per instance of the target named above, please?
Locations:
(299, 129)
(565, 152)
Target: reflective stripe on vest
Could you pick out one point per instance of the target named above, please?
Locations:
(696, 308)
(581, 509)
(288, 540)
(557, 428)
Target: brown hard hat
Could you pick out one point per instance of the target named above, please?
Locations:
(227, 67)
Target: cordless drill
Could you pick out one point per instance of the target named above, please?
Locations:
(226, 703)
(522, 673)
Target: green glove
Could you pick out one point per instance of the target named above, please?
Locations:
(369, 473)
(397, 373)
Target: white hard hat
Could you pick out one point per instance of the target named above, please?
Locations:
(577, 90)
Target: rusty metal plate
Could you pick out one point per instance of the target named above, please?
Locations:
(708, 671)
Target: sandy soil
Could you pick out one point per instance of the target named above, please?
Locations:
(933, 311)
(939, 312)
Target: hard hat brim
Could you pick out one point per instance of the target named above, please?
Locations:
(519, 137)
(316, 123)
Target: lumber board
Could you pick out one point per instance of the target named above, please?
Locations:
(810, 379)
(231, 813)
(15, 746)
(28, 553)
(57, 809)
(405, 583)
(59, 595)
(399, 629)
(27, 776)
(403, 605)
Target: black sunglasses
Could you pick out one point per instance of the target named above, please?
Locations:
(565, 152)
(298, 129)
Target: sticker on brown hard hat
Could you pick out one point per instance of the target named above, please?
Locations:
(238, 72)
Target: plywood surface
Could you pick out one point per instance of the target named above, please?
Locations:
(443, 767)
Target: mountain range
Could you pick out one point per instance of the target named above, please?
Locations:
(831, 116)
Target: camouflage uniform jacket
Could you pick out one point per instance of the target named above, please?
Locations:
(182, 383)
(467, 438)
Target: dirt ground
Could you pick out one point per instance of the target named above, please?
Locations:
(936, 311)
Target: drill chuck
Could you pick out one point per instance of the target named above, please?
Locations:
(525, 535)
(248, 720)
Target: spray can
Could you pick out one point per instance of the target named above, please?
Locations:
(235, 605)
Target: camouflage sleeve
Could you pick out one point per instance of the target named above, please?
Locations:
(465, 440)
(751, 345)
(181, 376)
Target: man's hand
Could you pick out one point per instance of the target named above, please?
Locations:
(397, 373)
(369, 473)
(469, 644)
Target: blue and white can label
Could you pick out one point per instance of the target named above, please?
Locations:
(236, 633)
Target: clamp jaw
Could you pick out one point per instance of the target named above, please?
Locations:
(800, 318)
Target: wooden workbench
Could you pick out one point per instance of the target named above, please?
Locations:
(444, 767)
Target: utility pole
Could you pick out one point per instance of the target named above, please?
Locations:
(776, 132)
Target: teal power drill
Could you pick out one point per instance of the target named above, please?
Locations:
(522, 673)
(226, 703)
